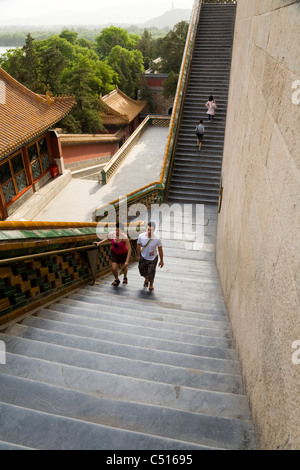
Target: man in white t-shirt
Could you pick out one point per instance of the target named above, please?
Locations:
(149, 246)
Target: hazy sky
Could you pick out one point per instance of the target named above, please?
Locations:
(67, 12)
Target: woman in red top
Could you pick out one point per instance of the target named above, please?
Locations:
(120, 252)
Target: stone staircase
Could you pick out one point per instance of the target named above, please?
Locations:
(125, 369)
(196, 175)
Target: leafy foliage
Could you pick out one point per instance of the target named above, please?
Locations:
(170, 84)
(146, 45)
(129, 67)
(93, 64)
(114, 36)
(172, 48)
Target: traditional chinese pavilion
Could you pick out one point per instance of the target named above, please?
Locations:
(120, 119)
(121, 112)
(28, 147)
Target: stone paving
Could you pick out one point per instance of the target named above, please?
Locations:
(77, 201)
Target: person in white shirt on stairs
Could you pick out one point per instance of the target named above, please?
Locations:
(149, 246)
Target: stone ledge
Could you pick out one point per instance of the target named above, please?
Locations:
(41, 198)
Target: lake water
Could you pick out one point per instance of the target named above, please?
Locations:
(4, 49)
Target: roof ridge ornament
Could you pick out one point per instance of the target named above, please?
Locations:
(49, 98)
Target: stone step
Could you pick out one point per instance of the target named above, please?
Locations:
(130, 294)
(27, 428)
(188, 131)
(128, 325)
(9, 446)
(123, 366)
(137, 390)
(148, 419)
(39, 327)
(172, 313)
(196, 189)
(201, 304)
(192, 161)
(202, 198)
(189, 182)
(172, 250)
(185, 139)
(125, 298)
(206, 68)
(195, 170)
(131, 351)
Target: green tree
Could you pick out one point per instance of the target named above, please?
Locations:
(80, 81)
(146, 95)
(70, 36)
(62, 44)
(114, 36)
(172, 48)
(146, 46)
(170, 85)
(129, 67)
(29, 66)
(11, 62)
(52, 63)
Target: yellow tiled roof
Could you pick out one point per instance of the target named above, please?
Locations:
(80, 139)
(24, 114)
(120, 109)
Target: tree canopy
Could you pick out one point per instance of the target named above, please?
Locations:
(66, 63)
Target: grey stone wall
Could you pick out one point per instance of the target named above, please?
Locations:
(258, 242)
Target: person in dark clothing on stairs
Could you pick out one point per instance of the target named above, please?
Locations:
(200, 129)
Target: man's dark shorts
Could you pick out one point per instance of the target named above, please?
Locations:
(148, 268)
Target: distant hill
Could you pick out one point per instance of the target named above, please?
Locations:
(169, 18)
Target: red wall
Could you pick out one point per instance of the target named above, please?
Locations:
(155, 82)
(76, 153)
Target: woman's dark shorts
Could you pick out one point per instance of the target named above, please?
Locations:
(119, 259)
(148, 268)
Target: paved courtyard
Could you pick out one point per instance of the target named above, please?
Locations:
(77, 201)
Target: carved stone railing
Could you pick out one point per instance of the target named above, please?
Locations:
(112, 166)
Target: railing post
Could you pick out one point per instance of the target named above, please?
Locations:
(93, 257)
(103, 174)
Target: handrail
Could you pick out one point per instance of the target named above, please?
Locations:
(196, 9)
(132, 195)
(111, 167)
(124, 147)
(46, 253)
(31, 225)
